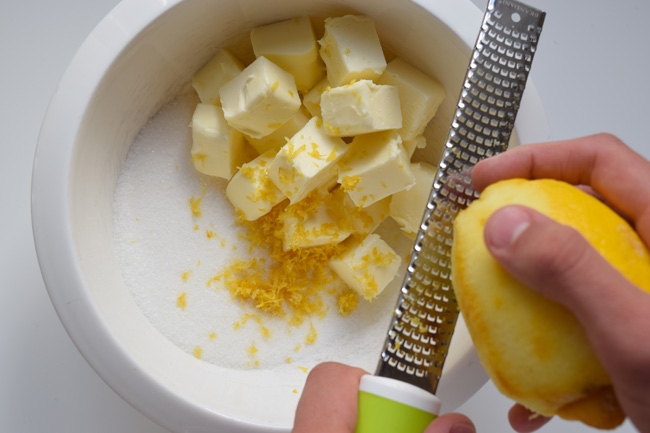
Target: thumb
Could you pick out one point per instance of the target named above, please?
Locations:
(558, 262)
(451, 423)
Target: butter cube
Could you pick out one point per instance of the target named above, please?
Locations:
(220, 69)
(251, 191)
(307, 161)
(217, 148)
(351, 50)
(278, 138)
(366, 220)
(318, 219)
(291, 45)
(419, 142)
(368, 266)
(420, 95)
(311, 100)
(260, 99)
(361, 107)
(407, 207)
(376, 167)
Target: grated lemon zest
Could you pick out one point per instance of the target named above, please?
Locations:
(181, 301)
(311, 335)
(347, 302)
(195, 203)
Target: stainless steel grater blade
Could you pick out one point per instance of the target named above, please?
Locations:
(426, 312)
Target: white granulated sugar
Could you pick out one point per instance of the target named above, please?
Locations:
(165, 252)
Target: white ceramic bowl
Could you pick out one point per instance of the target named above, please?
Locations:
(140, 56)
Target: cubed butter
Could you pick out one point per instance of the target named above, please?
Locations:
(291, 45)
(217, 148)
(407, 207)
(366, 220)
(278, 138)
(351, 50)
(311, 100)
(360, 107)
(251, 191)
(260, 99)
(376, 167)
(220, 69)
(307, 161)
(368, 266)
(420, 96)
(318, 219)
(419, 142)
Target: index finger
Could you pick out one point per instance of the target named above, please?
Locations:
(329, 400)
(601, 161)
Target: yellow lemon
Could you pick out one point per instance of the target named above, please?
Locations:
(533, 349)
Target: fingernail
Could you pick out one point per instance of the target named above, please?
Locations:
(462, 428)
(505, 225)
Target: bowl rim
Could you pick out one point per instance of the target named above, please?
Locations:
(50, 214)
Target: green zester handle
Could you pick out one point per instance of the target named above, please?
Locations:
(391, 406)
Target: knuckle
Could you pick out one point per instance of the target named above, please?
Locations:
(328, 371)
(323, 369)
(610, 139)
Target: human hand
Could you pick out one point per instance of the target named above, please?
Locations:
(614, 313)
(557, 262)
(329, 401)
(329, 404)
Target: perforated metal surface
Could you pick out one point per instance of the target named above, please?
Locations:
(425, 316)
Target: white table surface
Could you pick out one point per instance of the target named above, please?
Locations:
(590, 70)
